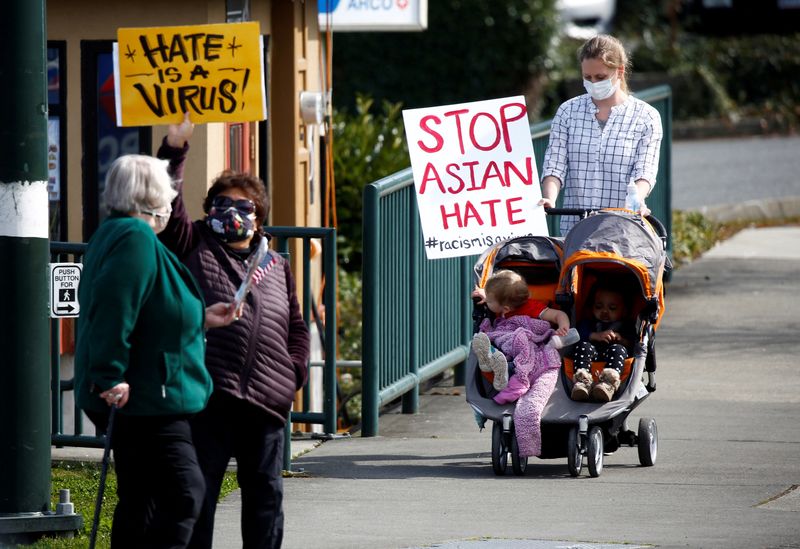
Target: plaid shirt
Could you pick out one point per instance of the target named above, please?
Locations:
(595, 164)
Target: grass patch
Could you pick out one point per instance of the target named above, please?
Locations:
(82, 479)
(693, 233)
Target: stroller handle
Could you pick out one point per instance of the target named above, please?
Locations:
(582, 213)
(658, 226)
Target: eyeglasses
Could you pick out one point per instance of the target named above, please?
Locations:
(244, 205)
(158, 215)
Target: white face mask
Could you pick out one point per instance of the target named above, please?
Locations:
(600, 90)
(158, 220)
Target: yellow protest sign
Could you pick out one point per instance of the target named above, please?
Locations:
(215, 72)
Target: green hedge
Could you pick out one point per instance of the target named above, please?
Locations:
(711, 77)
(471, 50)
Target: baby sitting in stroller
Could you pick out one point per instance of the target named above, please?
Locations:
(608, 336)
(520, 332)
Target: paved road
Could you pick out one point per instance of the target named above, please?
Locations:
(723, 171)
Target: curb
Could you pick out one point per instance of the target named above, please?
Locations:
(694, 129)
(75, 454)
(754, 210)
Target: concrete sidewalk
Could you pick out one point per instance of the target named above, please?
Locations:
(729, 444)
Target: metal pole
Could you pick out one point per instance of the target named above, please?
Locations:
(370, 374)
(329, 380)
(465, 307)
(411, 398)
(24, 247)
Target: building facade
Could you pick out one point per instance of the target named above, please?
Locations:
(84, 139)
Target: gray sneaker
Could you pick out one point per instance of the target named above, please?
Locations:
(482, 347)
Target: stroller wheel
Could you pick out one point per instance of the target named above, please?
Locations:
(499, 450)
(594, 452)
(518, 462)
(648, 441)
(574, 455)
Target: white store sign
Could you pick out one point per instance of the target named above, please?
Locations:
(64, 281)
(373, 15)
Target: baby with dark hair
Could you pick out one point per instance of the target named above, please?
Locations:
(607, 336)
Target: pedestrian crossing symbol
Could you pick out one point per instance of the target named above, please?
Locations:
(64, 281)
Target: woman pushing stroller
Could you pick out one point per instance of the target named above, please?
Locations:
(520, 331)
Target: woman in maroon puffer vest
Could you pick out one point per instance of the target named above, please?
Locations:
(257, 363)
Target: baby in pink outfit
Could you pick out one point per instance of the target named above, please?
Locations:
(521, 328)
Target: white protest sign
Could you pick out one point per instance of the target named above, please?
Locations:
(475, 175)
(64, 281)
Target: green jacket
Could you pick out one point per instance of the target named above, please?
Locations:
(141, 321)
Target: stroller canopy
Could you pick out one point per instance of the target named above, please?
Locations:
(620, 237)
(532, 249)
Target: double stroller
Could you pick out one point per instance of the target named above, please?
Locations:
(613, 243)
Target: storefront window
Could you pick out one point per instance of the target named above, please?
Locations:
(237, 11)
(56, 127)
(103, 140)
(112, 141)
(236, 147)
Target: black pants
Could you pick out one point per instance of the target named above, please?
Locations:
(159, 482)
(230, 427)
(613, 355)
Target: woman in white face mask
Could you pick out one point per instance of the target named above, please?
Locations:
(602, 140)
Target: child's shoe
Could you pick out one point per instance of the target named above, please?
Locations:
(583, 383)
(499, 365)
(481, 346)
(604, 389)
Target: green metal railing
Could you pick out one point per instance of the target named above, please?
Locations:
(67, 252)
(416, 313)
(327, 417)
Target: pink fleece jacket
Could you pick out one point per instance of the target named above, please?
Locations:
(523, 339)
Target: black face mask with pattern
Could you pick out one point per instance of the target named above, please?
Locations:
(229, 222)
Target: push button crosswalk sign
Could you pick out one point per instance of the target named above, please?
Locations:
(64, 281)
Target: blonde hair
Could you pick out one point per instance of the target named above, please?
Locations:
(610, 51)
(508, 288)
(138, 182)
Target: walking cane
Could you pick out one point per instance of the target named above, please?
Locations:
(103, 472)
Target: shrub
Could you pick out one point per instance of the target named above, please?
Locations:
(471, 50)
(711, 76)
(367, 147)
(692, 234)
(349, 319)
(350, 328)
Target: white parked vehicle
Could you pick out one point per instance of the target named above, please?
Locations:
(585, 18)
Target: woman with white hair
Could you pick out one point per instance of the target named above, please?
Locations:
(141, 347)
